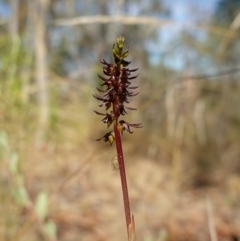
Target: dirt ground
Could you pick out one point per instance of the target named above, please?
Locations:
(86, 202)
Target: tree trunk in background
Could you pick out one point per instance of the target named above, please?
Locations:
(170, 109)
(13, 25)
(41, 67)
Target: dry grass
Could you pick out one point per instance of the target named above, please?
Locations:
(86, 202)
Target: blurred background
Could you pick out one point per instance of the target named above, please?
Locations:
(183, 167)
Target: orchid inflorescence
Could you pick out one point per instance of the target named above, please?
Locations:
(117, 90)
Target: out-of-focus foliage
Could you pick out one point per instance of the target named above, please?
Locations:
(226, 11)
(191, 124)
(227, 15)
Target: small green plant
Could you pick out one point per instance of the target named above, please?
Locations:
(38, 211)
(118, 88)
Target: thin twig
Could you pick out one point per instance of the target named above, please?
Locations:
(141, 20)
(209, 75)
(162, 89)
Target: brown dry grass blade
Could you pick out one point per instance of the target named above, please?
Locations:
(131, 230)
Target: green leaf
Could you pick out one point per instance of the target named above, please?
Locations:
(14, 162)
(19, 180)
(163, 235)
(4, 144)
(20, 195)
(148, 239)
(42, 205)
(50, 229)
(125, 55)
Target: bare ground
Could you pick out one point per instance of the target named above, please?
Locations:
(86, 202)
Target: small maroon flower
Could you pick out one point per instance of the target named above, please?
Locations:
(125, 126)
(108, 117)
(110, 137)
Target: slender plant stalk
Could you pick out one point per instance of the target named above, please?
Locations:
(117, 90)
(122, 175)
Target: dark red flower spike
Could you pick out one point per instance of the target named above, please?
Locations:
(116, 90)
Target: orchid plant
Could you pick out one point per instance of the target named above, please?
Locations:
(117, 89)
